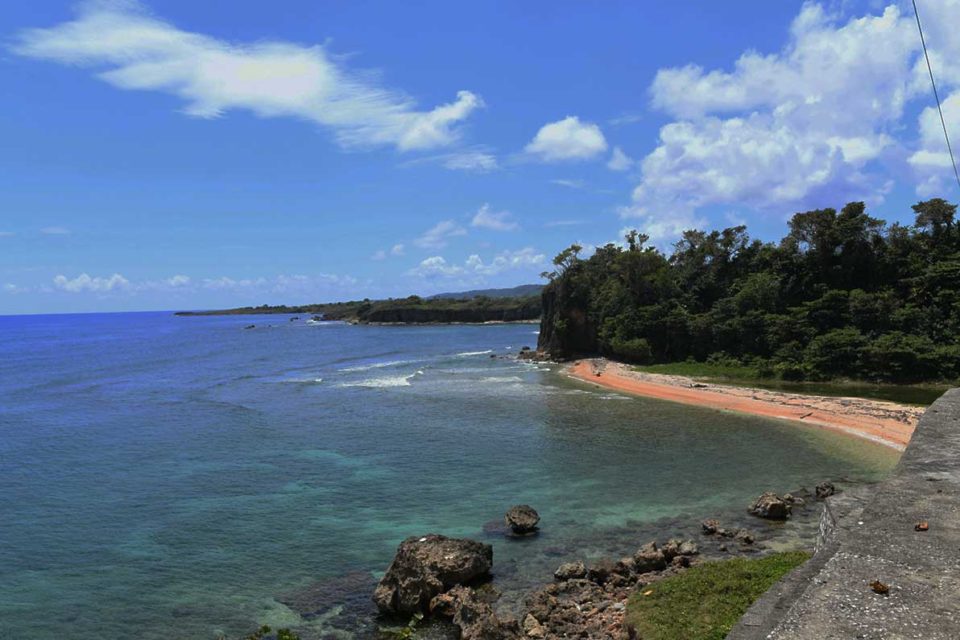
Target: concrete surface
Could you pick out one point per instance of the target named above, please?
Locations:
(869, 535)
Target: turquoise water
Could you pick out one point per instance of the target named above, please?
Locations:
(168, 477)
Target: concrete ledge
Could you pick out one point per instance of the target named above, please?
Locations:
(869, 535)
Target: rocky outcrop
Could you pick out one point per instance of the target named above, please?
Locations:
(474, 616)
(522, 520)
(770, 506)
(424, 567)
(590, 602)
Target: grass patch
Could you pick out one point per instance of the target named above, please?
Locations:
(704, 602)
(703, 370)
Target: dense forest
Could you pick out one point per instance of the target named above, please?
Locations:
(842, 295)
(410, 310)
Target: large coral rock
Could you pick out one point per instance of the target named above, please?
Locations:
(427, 566)
(522, 520)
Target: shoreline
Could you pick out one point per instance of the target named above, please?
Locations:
(881, 422)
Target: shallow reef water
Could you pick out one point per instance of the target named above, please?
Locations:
(173, 477)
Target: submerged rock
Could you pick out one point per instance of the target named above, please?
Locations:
(770, 506)
(424, 567)
(522, 520)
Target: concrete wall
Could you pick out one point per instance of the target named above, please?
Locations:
(870, 536)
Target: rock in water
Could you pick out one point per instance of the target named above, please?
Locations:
(770, 506)
(522, 520)
(427, 566)
(825, 490)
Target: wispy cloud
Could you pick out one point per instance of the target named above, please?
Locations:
(564, 223)
(568, 183)
(382, 254)
(132, 49)
(472, 160)
(495, 220)
(7, 234)
(619, 161)
(438, 235)
(55, 231)
(117, 284)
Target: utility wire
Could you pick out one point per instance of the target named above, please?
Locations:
(936, 95)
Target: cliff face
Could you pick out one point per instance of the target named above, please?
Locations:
(565, 328)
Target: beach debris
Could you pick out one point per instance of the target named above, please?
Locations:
(825, 490)
(771, 507)
(879, 587)
(648, 592)
(923, 525)
(522, 520)
(425, 567)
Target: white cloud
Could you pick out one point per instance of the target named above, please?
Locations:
(474, 269)
(13, 289)
(436, 266)
(495, 220)
(85, 283)
(506, 261)
(619, 161)
(7, 234)
(567, 139)
(437, 236)
(397, 250)
(131, 49)
(379, 255)
(790, 129)
(932, 160)
(55, 231)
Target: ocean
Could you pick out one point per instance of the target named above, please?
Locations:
(169, 477)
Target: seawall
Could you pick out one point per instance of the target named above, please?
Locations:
(870, 536)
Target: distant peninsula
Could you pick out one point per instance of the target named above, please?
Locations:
(518, 304)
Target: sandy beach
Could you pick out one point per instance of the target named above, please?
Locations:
(886, 423)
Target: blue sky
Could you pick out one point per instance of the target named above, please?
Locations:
(180, 154)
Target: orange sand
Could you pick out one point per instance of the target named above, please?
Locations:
(883, 422)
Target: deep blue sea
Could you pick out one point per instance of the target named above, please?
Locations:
(169, 477)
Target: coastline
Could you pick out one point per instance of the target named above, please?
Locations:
(885, 423)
